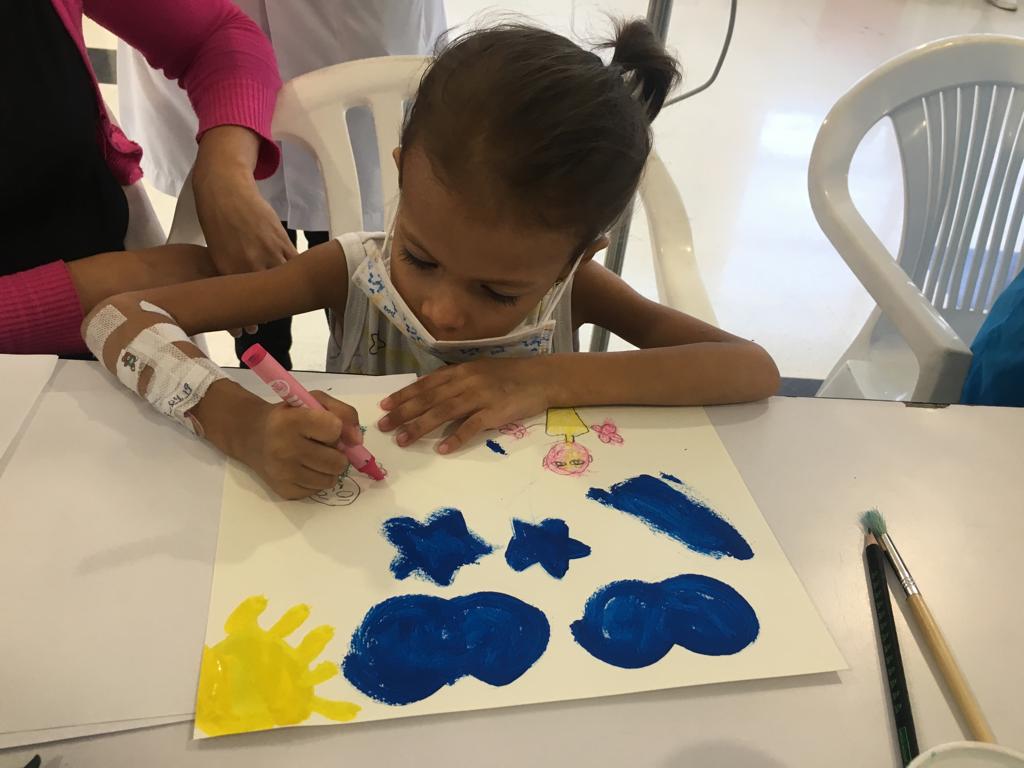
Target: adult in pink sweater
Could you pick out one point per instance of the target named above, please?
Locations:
(65, 182)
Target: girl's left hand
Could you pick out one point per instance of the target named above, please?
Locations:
(485, 394)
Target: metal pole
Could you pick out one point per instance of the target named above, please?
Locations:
(659, 12)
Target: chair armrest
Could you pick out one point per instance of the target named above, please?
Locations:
(144, 228)
(675, 266)
(185, 227)
(943, 358)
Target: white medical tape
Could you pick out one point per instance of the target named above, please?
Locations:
(178, 385)
(103, 323)
(150, 307)
(178, 381)
(146, 349)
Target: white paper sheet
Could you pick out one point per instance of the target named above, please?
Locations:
(22, 378)
(336, 561)
(109, 517)
(45, 735)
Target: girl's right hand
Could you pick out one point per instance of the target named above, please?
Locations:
(294, 449)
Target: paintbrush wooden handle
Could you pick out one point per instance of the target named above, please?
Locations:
(970, 710)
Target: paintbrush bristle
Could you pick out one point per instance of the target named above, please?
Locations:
(873, 522)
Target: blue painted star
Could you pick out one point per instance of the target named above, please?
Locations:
(548, 544)
(436, 548)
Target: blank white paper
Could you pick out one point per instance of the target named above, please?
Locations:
(22, 379)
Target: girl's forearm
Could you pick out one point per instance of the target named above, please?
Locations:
(107, 274)
(227, 414)
(707, 373)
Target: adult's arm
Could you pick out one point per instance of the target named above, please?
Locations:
(227, 66)
(215, 52)
(41, 309)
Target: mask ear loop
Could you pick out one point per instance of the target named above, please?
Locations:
(389, 233)
(557, 292)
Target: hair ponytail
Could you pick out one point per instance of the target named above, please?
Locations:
(641, 59)
(528, 125)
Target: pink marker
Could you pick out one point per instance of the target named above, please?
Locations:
(288, 389)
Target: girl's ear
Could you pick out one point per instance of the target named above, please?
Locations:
(396, 153)
(598, 245)
(592, 250)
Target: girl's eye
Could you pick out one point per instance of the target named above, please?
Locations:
(501, 298)
(412, 261)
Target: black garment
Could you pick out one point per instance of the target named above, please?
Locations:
(276, 336)
(54, 180)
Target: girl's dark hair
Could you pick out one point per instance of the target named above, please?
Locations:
(528, 123)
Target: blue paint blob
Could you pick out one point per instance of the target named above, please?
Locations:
(673, 512)
(633, 623)
(673, 478)
(495, 446)
(407, 647)
(435, 549)
(548, 543)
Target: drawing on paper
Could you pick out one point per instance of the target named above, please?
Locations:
(607, 432)
(676, 512)
(568, 456)
(547, 544)
(634, 623)
(344, 492)
(435, 549)
(407, 647)
(495, 446)
(483, 580)
(254, 679)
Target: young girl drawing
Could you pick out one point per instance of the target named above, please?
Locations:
(519, 153)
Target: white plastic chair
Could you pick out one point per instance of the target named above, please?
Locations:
(144, 229)
(956, 106)
(311, 109)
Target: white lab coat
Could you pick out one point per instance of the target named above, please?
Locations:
(306, 35)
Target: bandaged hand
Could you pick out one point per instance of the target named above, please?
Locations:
(144, 347)
(294, 450)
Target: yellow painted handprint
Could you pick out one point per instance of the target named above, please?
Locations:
(253, 679)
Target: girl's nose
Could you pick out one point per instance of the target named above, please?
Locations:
(443, 315)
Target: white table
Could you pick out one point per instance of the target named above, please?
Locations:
(949, 482)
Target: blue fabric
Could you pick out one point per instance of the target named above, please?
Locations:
(997, 370)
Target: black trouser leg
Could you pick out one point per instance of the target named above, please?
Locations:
(275, 336)
(317, 238)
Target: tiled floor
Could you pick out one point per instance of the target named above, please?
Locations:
(739, 153)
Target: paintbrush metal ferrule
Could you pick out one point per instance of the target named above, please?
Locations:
(898, 565)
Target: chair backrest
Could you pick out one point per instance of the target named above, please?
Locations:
(956, 106)
(311, 109)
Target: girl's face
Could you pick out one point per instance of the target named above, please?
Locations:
(467, 276)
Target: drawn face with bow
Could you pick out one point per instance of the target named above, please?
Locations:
(567, 458)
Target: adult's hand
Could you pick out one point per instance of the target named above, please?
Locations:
(242, 230)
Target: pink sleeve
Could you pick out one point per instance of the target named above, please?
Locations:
(40, 312)
(214, 51)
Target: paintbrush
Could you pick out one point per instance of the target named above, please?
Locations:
(970, 711)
